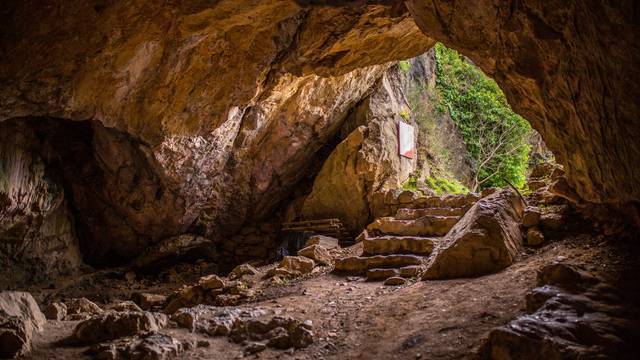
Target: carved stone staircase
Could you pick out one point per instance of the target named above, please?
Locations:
(399, 246)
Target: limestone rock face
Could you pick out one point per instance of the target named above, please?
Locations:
(485, 240)
(367, 162)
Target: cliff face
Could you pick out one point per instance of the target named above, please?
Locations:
(228, 100)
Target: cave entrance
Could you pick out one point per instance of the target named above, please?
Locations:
(76, 190)
(467, 139)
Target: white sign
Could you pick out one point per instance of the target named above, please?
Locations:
(406, 145)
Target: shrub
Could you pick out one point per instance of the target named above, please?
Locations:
(495, 136)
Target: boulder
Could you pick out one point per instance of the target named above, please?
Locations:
(148, 301)
(22, 305)
(486, 239)
(552, 221)
(211, 282)
(55, 311)
(241, 270)
(20, 320)
(326, 242)
(317, 253)
(531, 216)
(112, 325)
(81, 308)
(297, 264)
(15, 337)
(126, 306)
(534, 236)
(406, 197)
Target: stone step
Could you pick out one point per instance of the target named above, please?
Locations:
(412, 214)
(424, 226)
(459, 201)
(386, 245)
(377, 274)
(360, 264)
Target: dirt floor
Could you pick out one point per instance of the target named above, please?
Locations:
(354, 319)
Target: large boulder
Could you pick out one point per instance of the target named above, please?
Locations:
(20, 319)
(485, 240)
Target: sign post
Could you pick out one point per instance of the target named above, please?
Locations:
(406, 140)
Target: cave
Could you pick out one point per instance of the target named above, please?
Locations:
(224, 179)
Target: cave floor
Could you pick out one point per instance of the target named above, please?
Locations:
(354, 319)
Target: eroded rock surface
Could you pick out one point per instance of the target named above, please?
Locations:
(111, 325)
(20, 320)
(247, 325)
(486, 239)
(572, 315)
(152, 345)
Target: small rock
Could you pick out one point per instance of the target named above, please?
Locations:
(254, 347)
(126, 306)
(534, 236)
(531, 216)
(326, 242)
(317, 253)
(244, 269)
(278, 338)
(82, 308)
(298, 264)
(395, 281)
(406, 197)
(55, 311)
(210, 282)
(148, 301)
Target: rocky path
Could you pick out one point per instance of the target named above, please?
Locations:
(358, 319)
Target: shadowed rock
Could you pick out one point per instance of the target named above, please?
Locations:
(486, 239)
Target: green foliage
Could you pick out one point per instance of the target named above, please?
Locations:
(443, 185)
(410, 184)
(495, 136)
(405, 115)
(404, 65)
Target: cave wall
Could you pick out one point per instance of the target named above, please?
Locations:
(77, 191)
(36, 224)
(231, 98)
